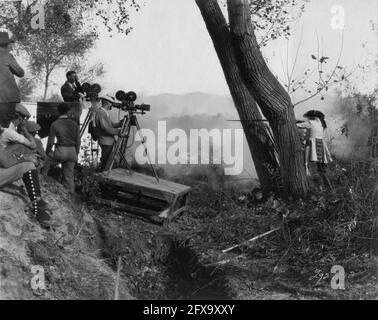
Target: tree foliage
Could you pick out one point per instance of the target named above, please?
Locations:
(272, 18)
(65, 35)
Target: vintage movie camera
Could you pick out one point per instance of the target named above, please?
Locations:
(128, 103)
(92, 90)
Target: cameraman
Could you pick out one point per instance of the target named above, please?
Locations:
(71, 91)
(106, 130)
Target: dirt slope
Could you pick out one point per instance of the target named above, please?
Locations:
(70, 256)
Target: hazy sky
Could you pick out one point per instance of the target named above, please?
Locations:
(170, 50)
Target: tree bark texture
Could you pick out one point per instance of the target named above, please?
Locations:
(258, 134)
(272, 98)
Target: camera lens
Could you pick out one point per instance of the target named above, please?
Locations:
(121, 95)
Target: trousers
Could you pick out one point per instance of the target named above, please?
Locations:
(66, 156)
(14, 173)
(106, 151)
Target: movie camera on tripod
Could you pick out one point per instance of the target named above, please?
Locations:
(92, 91)
(128, 103)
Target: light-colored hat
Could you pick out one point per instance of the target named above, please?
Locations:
(108, 98)
(32, 126)
(20, 109)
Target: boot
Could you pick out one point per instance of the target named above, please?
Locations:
(38, 207)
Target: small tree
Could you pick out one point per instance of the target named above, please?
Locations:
(63, 38)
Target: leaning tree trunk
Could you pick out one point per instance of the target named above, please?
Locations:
(259, 139)
(272, 98)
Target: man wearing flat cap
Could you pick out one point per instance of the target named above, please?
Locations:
(9, 92)
(106, 130)
(16, 133)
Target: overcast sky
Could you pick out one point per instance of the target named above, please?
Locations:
(170, 50)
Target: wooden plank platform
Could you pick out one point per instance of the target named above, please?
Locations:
(164, 190)
(173, 195)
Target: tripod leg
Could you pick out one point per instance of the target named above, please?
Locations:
(125, 128)
(122, 152)
(146, 150)
(86, 122)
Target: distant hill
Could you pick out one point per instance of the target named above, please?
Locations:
(173, 105)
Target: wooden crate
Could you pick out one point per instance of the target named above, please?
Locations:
(142, 194)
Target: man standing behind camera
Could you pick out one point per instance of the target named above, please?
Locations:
(71, 90)
(106, 130)
(9, 92)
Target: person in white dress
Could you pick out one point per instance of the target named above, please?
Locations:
(316, 149)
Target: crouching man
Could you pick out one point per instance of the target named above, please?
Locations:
(14, 168)
(66, 132)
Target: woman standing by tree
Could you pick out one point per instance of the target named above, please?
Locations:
(316, 149)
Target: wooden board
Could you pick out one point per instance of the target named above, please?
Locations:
(146, 185)
(173, 196)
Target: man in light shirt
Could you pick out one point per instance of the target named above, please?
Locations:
(106, 130)
(11, 136)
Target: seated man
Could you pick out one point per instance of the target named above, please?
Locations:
(14, 168)
(106, 130)
(67, 147)
(11, 136)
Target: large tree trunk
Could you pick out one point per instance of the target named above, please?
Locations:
(258, 135)
(272, 98)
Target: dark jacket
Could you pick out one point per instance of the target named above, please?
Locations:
(67, 133)
(8, 69)
(70, 92)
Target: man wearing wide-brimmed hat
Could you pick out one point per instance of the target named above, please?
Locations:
(106, 130)
(9, 92)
